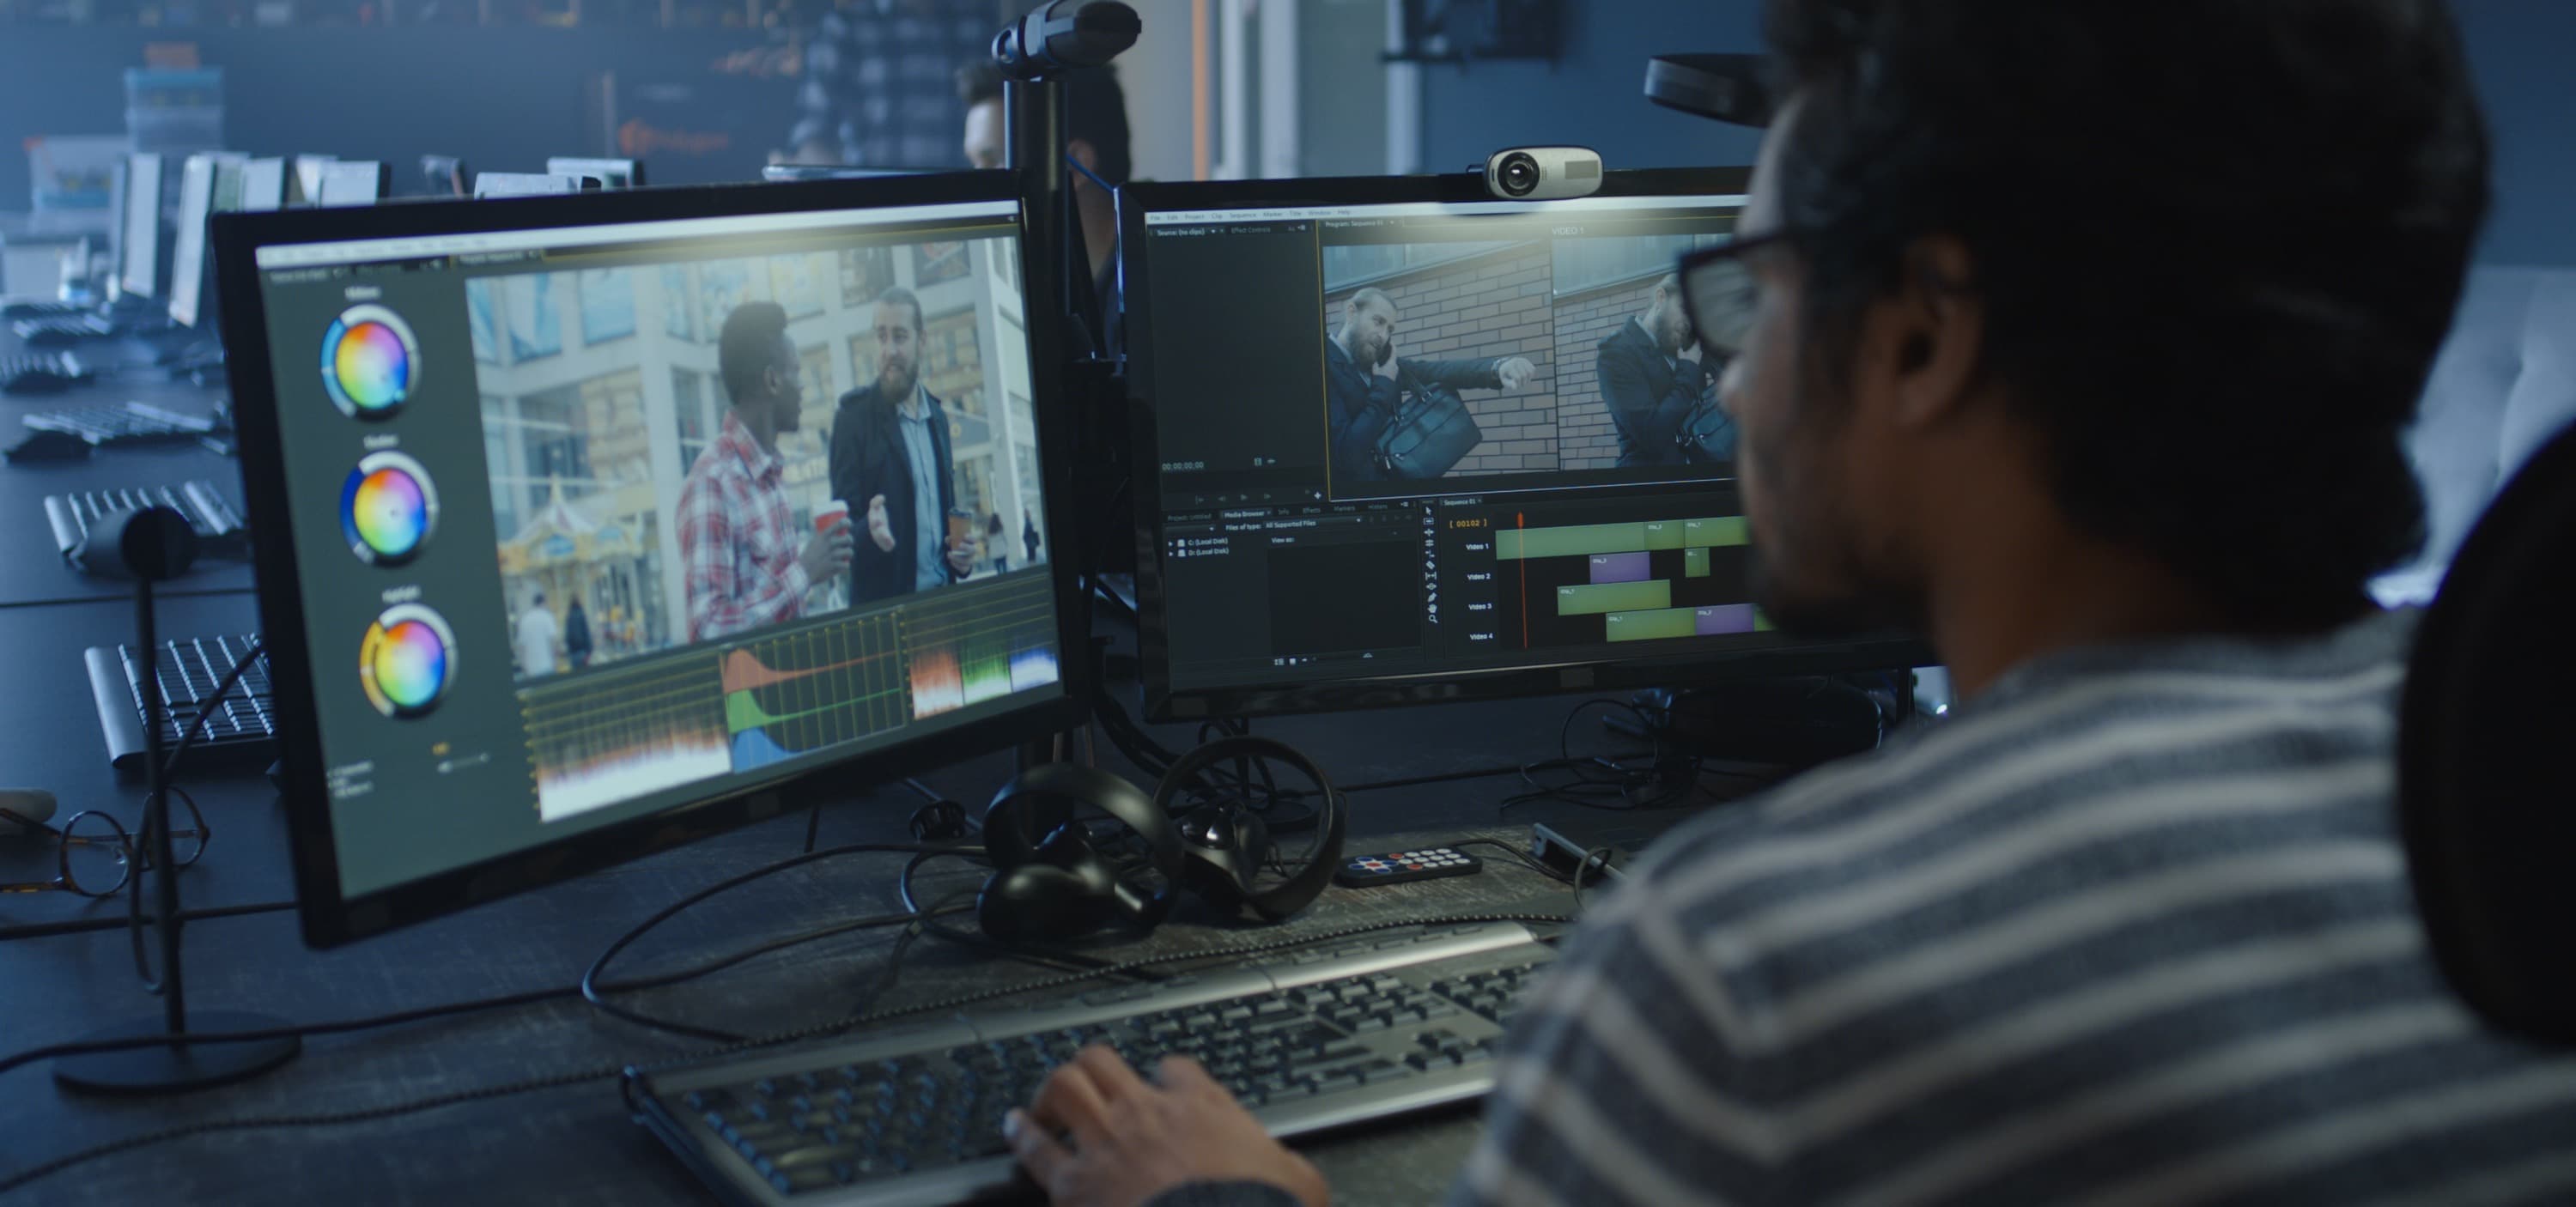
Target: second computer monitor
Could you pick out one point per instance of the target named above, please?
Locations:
(203, 178)
(138, 249)
(1401, 441)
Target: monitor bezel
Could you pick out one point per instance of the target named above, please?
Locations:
(330, 917)
(1164, 702)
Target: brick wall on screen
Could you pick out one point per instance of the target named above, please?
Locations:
(1492, 305)
(1584, 435)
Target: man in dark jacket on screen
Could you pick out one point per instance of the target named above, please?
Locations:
(1363, 400)
(892, 464)
(1651, 382)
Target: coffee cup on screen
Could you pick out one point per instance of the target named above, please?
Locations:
(829, 514)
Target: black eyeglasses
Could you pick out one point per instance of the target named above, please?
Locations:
(1718, 293)
(94, 854)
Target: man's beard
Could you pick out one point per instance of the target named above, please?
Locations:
(896, 383)
(1859, 595)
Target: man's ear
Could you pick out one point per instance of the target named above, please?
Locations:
(1940, 330)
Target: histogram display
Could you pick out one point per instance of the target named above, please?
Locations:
(820, 687)
(609, 738)
(961, 658)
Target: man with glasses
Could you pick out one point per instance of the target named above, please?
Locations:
(2081, 338)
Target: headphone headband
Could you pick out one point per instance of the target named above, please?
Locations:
(1281, 900)
(1041, 800)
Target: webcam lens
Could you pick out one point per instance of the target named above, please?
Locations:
(1519, 175)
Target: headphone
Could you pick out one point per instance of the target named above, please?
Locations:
(1052, 881)
(1228, 843)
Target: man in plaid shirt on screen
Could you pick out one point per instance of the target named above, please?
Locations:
(743, 565)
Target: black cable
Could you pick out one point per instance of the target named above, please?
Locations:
(46, 1169)
(1601, 856)
(47, 930)
(925, 791)
(591, 992)
(1524, 858)
(903, 881)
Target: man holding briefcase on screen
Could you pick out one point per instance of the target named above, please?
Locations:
(1376, 399)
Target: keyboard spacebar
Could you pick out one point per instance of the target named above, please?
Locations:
(1437, 1088)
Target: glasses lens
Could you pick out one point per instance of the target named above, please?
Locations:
(187, 829)
(94, 854)
(1721, 298)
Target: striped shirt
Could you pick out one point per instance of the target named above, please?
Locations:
(2131, 928)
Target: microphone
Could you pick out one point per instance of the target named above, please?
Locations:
(1064, 35)
(154, 544)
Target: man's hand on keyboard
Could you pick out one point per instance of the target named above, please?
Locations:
(1100, 1136)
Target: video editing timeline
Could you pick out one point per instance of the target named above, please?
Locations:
(1647, 580)
(1398, 587)
(819, 687)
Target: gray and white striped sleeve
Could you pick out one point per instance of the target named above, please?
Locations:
(1634, 1075)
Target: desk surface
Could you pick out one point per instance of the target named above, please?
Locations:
(576, 1144)
(31, 566)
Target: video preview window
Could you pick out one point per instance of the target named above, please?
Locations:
(1536, 363)
(638, 512)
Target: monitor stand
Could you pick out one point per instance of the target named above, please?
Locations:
(1792, 723)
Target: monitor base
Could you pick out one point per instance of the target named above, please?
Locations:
(178, 1066)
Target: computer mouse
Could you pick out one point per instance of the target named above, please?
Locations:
(45, 444)
(34, 804)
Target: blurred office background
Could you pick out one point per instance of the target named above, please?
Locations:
(707, 90)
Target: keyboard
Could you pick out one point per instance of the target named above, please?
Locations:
(242, 732)
(40, 372)
(63, 330)
(124, 423)
(219, 528)
(13, 311)
(1390, 1024)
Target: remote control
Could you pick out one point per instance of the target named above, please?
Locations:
(1399, 867)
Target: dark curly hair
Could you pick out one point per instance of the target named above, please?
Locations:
(2218, 243)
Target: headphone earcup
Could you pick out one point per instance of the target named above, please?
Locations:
(1039, 902)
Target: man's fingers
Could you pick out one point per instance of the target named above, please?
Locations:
(1068, 1102)
(1110, 1073)
(1180, 1074)
(1037, 1151)
(877, 503)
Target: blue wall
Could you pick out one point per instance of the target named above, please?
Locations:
(504, 98)
(2524, 53)
(1593, 94)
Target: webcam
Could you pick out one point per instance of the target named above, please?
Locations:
(1543, 173)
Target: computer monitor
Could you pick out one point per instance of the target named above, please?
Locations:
(611, 173)
(530, 184)
(308, 175)
(523, 409)
(1532, 492)
(138, 245)
(348, 182)
(209, 182)
(268, 184)
(780, 173)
